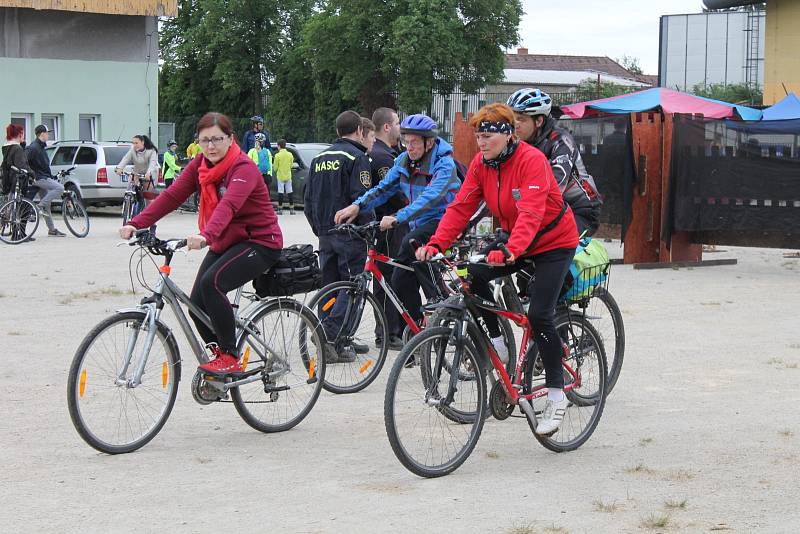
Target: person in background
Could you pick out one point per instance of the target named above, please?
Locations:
(282, 162)
(194, 148)
(264, 159)
(171, 168)
(250, 136)
(382, 155)
(48, 187)
(367, 133)
(144, 158)
(336, 177)
(14, 154)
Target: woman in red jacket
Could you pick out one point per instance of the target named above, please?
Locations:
(517, 183)
(236, 221)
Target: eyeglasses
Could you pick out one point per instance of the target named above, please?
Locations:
(413, 143)
(216, 140)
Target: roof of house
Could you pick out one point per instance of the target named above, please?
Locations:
(563, 77)
(523, 60)
(153, 8)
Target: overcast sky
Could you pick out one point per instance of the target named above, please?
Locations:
(595, 28)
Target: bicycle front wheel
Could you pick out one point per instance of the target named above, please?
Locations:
(127, 207)
(75, 217)
(586, 357)
(362, 325)
(287, 342)
(19, 220)
(424, 435)
(108, 411)
(606, 317)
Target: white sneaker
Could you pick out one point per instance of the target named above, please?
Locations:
(500, 348)
(552, 416)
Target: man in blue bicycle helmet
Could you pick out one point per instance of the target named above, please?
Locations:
(534, 125)
(249, 140)
(426, 174)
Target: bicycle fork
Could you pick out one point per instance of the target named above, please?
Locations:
(150, 328)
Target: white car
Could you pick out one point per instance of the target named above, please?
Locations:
(94, 163)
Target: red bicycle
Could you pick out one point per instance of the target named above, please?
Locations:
(434, 410)
(360, 318)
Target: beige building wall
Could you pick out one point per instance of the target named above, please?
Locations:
(782, 50)
(152, 8)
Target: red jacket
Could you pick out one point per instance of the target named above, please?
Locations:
(244, 212)
(522, 193)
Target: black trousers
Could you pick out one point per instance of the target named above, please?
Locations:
(389, 243)
(341, 258)
(551, 269)
(220, 273)
(406, 283)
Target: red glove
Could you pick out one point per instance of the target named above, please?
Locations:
(424, 253)
(496, 257)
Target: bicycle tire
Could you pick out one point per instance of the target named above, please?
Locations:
(75, 217)
(400, 372)
(615, 352)
(15, 221)
(300, 392)
(79, 406)
(352, 377)
(126, 209)
(587, 343)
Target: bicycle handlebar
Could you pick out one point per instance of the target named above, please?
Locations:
(159, 247)
(21, 171)
(364, 231)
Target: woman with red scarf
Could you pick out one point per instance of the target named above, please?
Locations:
(517, 183)
(237, 223)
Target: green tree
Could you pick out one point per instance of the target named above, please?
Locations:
(364, 52)
(739, 93)
(631, 64)
(588, 89)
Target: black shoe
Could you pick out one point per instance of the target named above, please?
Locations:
(395, 343)
(360, 348)
(345, 355)
(55, 233)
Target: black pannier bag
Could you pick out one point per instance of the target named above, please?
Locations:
(296, 271)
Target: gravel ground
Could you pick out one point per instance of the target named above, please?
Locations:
(701, 432)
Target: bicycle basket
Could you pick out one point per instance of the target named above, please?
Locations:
(589, 269)
(296, 271)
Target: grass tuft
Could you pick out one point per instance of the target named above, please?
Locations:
(493, 455)
(640, 469)
(94, 295)
(645, 441)
(786, 433)
(606, 507)
(654, 521)
(675, 505)
(521, 529)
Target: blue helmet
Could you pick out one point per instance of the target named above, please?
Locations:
(257, 118)
(531, 101)
(419, 124)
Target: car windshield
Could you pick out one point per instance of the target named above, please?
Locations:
(307, 154)
(114, 154)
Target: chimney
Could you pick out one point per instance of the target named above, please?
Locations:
(522, 51)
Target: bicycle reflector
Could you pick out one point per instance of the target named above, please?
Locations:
(366, 366)
(312, 368)
(245, 358)
(82, 386)
(164, 375)
(328, 305)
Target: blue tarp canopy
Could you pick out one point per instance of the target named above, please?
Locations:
(788, 108)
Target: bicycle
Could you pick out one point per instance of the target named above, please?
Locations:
(73, 210)
(434, 411)
(132, 199)
(130, 362)
(19, 217)
(356, 327)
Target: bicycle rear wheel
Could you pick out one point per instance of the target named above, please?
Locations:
(363, 323)
(19, 220)
(423, 435)
(292, 371)
(75, 217)
(108, 414)
(606, 317)
(586, 402)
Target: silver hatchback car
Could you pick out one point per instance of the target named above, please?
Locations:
(94, 163)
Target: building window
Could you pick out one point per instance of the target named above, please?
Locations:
(26, 121)
(53, 123)
(87, 127)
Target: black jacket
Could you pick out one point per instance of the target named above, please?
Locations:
(336, 177)
(382, 159)
(12, 155)
(38, 160)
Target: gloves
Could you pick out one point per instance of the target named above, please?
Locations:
(425, 252)
(496, 257)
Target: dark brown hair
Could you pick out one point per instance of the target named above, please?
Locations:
(347, 123)
(367, 125)
(383, 116)
(211, 119)
(13, 131)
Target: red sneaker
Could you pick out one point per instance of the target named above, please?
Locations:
(223, 364)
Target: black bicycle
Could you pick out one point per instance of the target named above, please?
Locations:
(19, 217)
(133, 198)
(73, 210)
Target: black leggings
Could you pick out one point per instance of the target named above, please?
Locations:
(219, 274)
(551, 269)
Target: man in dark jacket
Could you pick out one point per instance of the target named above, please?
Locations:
(337, 177)
(382, 156)
(249, 140)
(45, 185)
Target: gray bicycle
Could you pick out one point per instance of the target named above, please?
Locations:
(124, 377)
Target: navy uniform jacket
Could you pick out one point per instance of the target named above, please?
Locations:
(336, 177)
(382, 159)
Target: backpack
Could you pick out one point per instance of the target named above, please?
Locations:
(588, 269)
(296, 271)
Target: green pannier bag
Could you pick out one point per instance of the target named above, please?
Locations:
(589, 268)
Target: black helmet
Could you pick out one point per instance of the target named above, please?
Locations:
(257, 118)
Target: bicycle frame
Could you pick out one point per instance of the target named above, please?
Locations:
(371, 266)
(166, 291)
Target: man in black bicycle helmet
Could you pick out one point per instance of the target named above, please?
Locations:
(249, 140)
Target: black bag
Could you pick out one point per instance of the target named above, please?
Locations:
(296, 271)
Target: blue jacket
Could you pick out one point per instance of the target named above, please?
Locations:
(429, 185)
(263, 161)
(249, 140)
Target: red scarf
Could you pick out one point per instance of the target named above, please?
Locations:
(210, 178)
